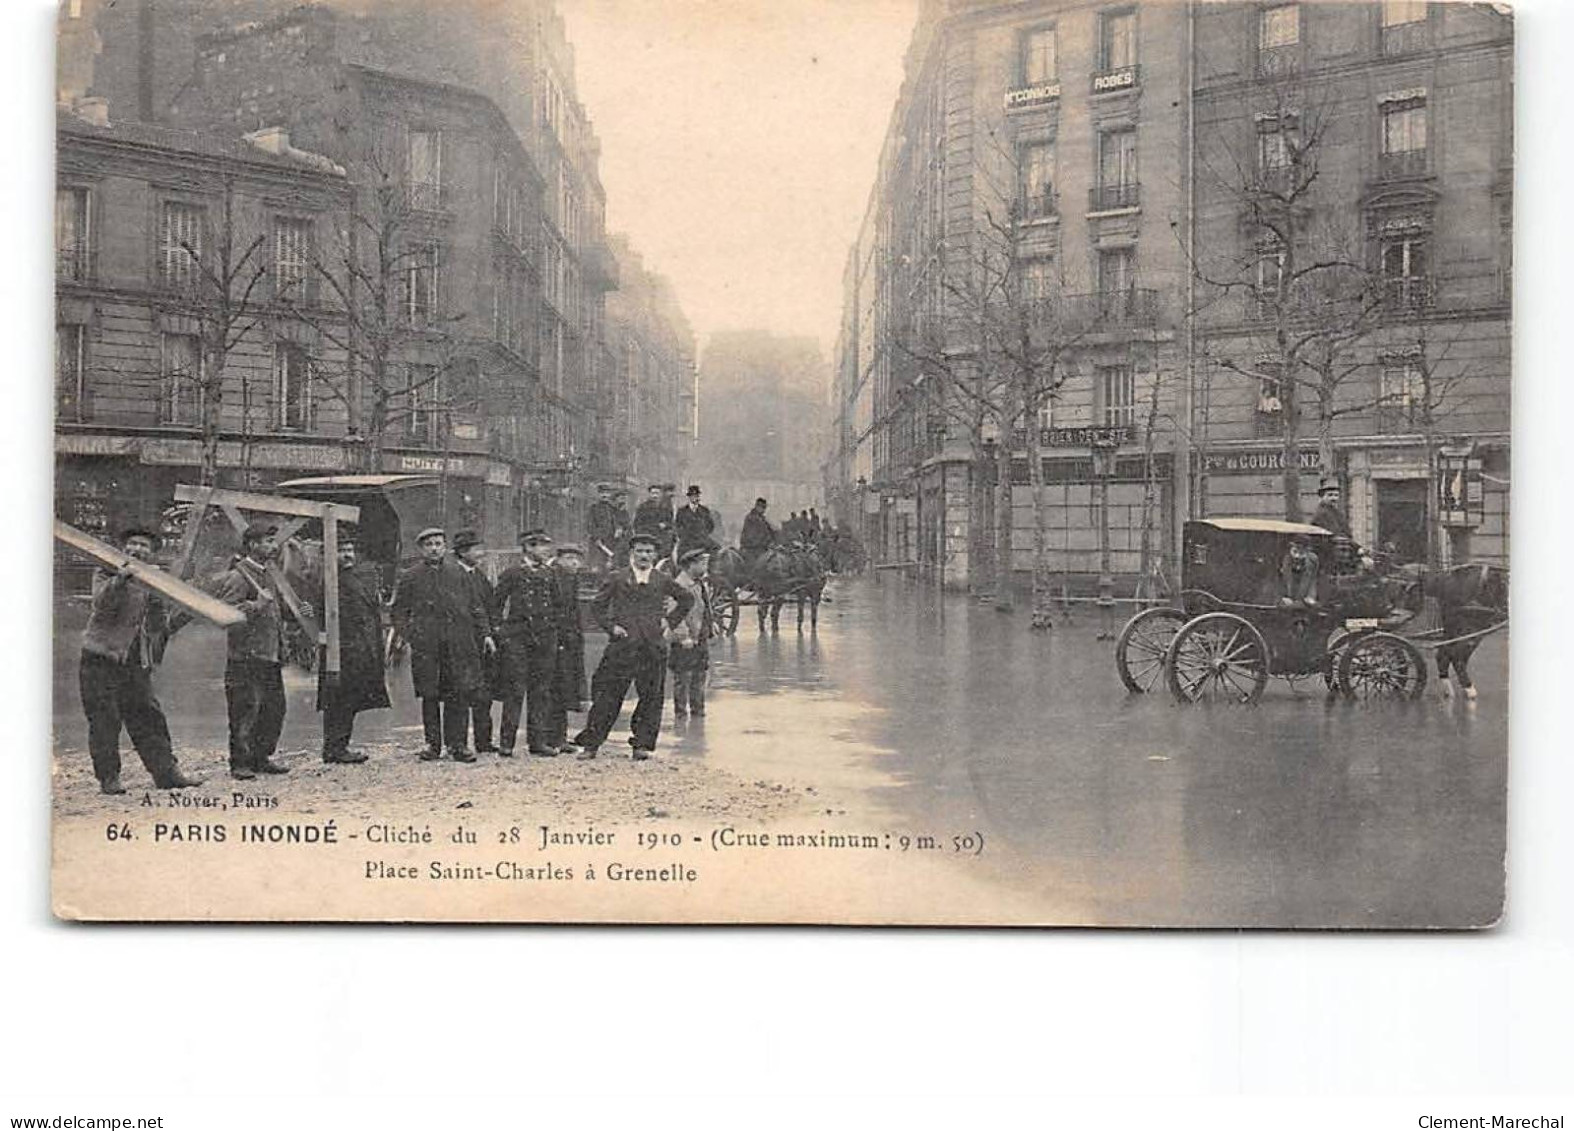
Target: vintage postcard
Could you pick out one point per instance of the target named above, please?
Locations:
(861, 462)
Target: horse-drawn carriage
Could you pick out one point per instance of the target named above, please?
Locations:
(788, 571)
(1264, 598)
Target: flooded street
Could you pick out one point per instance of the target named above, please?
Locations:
(913, 711)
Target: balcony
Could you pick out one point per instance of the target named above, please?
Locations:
(76, 264)
(1116, 79)
(1040, 205)
(1277, 62)
(1403, 165)
(1114, 309)
(1403, 39)
(425, 196)
(1409, 294)
(1108, 198)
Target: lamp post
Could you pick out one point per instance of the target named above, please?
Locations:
(1104, 448)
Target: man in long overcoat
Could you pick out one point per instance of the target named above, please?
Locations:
(569, 690)
(655, 516)
(362, 684)
(637, 607)
(470, 552)
(604, 526)
(448, 628)
(529, 602)
(694, 524)
(758, 535)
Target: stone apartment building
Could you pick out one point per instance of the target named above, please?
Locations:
(1099, 162)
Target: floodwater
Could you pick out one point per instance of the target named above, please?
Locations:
(926, 713)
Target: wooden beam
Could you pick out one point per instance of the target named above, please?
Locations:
(181, 566)
(266, 504)
(330, 588)
(293, 602)
(188, 597)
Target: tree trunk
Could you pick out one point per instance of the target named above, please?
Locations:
(1149, 489)
(1325, 430)
(980, 580)
(1041, 585)
(1004, 598)
(1290, 449)
(212, 418)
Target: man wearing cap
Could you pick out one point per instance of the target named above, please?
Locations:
(632, 607)
(470, 552)
(694, 525)
(123, 642)
(529, 601)
(449, 628)
(253, 679)
(603, 527)
(362, 683)
(758, 535)
(690, 659)
(655, 517)
(568, 682)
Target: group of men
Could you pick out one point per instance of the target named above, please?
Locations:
(472, 643)
(677, 529)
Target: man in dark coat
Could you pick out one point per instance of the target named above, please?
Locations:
(568, 690)
(449, 629)
(124, 640)
(529, 602)
(362, 683)
(1329, 514)
(637, 607)
(604, 528)
(655, 516)
(694, 526)
(470, 552)
(253, 680)
(758, 535)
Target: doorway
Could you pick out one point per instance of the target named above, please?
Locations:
(1401, 517)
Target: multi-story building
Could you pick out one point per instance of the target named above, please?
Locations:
(653, 385)
(1093, 175)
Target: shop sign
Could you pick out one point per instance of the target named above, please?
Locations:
(1086, 437)
(453, 465)
(1116, 80)
(96, 445)
(180, 453)
(497, 476)
(1251, 463)
(1032, 95)
(318, 457)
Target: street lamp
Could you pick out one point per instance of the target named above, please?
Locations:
(1104, 449)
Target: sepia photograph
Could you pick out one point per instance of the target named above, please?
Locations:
(905, 462)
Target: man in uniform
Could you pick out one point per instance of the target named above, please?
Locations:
(529, 606)
(124, 641)
(470, 552)
(758, 535)
(568, 685)
(655, 517)
(694, 525)
(362, 683)
(253, 680)
(632, 607)
(449, 628)
(690, 659)
(604, 528)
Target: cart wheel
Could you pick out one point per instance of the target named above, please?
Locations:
(1217, 656)
(1142, 645)
(1382, 665)
(1333, 652)
(724, 611)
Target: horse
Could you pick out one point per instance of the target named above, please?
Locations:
(1471, 598)
(786, 570)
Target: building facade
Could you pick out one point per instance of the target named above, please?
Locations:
(1093, 175)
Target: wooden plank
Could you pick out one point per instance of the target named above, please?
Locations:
(330, 587)
(237, 520)
(267, 504)
(181, 566)
(188, 597)
(293, 602)
(287, 530)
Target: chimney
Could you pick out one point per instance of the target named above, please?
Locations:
(93, 110)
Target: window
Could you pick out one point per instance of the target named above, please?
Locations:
(180, 245)
(1397, 13)
(1405, 279)
(73, 234)
(1118, 41)
(1117, 187)
(426, 169)
(1404, 137)
(181, 368)
(1270, 272)
(1116, 270)
(1401, 395)
(420, 284)
(1037, 277)
(1276, 147)
(1039, 65)
(1279, 27)
(1116, 395)
(291, 257)
(292, 385)
(420, 424)
(1037, 165)
(1269, 417)
(71, 371)
(1404, 26)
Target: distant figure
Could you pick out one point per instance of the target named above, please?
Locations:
(603, 527)
(362, 683)
(815, 529)
(655, 516)
(123, 643)
(758, 535)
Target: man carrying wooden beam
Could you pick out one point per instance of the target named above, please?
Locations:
(253, 677)
(125, 637)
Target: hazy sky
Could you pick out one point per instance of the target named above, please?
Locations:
(739, 141)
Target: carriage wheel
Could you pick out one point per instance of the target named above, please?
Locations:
(1333, 652)
(1142, 646)
(724, 611)
(1217, 656)
(1382, 666)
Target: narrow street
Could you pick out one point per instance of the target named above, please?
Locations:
(915, 710)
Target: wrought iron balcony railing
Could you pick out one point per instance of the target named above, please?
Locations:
(1040, 205)
(1406, 163)
(1116, 308)
(76, 264)
(1411, 293)
(1103, 198)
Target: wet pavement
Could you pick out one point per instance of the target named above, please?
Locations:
(925, 712)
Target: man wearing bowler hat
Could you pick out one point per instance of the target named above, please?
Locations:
(253, 677)
(446, 622)
(1329, 514)
(637, 607)
(694, 525)
(530, 609)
